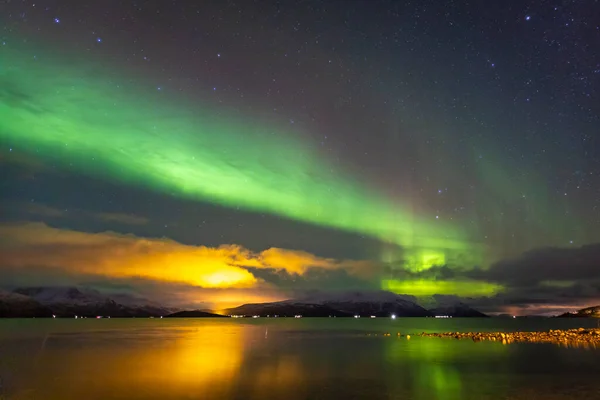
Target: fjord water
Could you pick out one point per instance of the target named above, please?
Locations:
(290, 359)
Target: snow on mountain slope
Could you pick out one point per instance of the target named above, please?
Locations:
(457, 310)
(377, 303)
(70, 301)
(17, 305)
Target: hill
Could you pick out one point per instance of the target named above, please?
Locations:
(589, 312)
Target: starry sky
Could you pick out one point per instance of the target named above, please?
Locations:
(233, 151)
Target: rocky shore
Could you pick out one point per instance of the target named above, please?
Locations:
(580, 336)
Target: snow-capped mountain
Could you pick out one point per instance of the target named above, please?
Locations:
(287, 309)
(457, 310)
(14, 305)
(378, 303)
(341, 304)
(71, 301)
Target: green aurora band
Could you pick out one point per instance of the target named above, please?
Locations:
(77, 113)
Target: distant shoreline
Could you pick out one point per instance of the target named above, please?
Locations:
(557, 336)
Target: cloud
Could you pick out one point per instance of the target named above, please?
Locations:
(315, 279)
(36, 246)
(52, 212)
(127, 219)
(44, 210)
(541, 281)
(548, 280)
(538, 282)
(550, 264)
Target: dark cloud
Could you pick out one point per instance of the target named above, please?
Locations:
(546, 264)
(314, 279)
(38, 209)
(545, 281)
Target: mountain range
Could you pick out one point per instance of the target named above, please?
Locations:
(85, 302)
(73, 301)
(346, 304)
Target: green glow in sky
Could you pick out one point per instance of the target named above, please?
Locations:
(423, 287)
(77, 113)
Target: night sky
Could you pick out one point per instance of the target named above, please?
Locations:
(220, 152)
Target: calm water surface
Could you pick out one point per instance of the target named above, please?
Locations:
(288, 359)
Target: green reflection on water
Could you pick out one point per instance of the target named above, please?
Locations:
(434, 363)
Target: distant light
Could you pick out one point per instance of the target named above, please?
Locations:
(99, 40)
(393, 316)
(357, 316)
(527, 18)
(56, 21)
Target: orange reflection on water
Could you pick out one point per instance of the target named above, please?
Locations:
(164, 363)
(284, 372)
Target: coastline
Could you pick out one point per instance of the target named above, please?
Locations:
(577, 336)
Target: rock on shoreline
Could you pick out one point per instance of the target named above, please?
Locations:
(557, 336)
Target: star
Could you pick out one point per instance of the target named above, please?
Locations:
(56, 21)
(527, 17)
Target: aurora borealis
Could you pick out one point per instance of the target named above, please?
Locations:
(282, 146)
(219, 160)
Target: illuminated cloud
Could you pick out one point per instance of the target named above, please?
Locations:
(109, 254)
